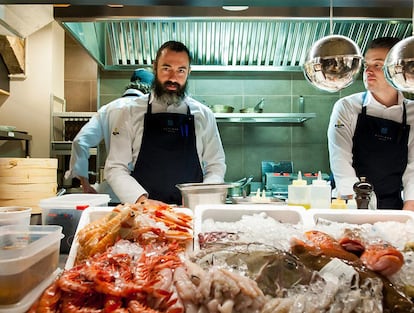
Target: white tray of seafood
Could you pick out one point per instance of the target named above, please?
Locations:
(257, 258)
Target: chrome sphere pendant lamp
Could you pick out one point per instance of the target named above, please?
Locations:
(399, 64)
(333, 62)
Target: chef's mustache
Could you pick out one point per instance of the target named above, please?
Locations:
(172, 84)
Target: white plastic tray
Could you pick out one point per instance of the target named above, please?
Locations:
(93, 214)
(234, 212)
(359, 216)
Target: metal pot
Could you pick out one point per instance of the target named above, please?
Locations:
(258, 108)
(221, 108)
(240, 188)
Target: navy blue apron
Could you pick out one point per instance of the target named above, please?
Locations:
(168, 155)
(380, 153)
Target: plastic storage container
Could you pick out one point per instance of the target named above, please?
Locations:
(28, 256)
(66, 211)
(298, 192)
(320, 193)
(15, 215)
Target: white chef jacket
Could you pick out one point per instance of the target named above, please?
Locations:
(341, 132)
(92, 133)
(126, 143)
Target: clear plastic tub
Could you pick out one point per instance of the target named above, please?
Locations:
(15, 215)
(66, 211)
(28, 255)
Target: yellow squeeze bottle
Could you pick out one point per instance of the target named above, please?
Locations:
(298, 192)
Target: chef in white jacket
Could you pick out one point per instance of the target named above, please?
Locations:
(370, 135)
(99, 127)
(169, 137)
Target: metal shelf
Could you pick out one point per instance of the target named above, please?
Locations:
(16, 135)
(65, 148)
(74, 115)
(278, 118)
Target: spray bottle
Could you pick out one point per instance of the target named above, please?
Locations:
(298, 192)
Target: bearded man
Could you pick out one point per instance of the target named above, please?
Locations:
(168, 138)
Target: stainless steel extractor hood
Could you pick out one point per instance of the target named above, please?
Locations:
(221, 43)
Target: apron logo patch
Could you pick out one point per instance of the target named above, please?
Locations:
(115, 132)
(170, 123)
(384, 130)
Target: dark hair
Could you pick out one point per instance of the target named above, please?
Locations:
(173, 46)
(383, 42)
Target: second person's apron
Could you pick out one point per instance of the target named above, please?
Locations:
(380, 153)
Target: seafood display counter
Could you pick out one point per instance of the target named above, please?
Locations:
(238, 258)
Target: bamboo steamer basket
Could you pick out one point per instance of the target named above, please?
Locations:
(26, 181)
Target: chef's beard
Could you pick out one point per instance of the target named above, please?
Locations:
(169, 96)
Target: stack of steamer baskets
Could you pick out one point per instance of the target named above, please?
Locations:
(25, 181)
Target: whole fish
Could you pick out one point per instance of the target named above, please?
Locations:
(274, 270)
(323, 249)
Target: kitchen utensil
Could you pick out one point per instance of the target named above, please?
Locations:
(240, 188)
(221, 108)
(258, 108)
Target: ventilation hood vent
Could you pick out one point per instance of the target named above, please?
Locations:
(223, 44)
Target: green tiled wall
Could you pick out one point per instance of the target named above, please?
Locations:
(246, 145)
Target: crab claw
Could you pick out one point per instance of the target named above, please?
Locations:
(382, 258)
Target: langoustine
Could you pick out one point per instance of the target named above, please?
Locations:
(148, 279)
(142, 223)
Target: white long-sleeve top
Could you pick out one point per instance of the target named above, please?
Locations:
(98, 128)
(341, 132)
(126, 144)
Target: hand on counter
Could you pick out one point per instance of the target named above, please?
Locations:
(86, 186)
(144, 199)
(409, 205)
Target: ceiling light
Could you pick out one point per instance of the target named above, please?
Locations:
(399, 64)
(115, 5)
(235, 7)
